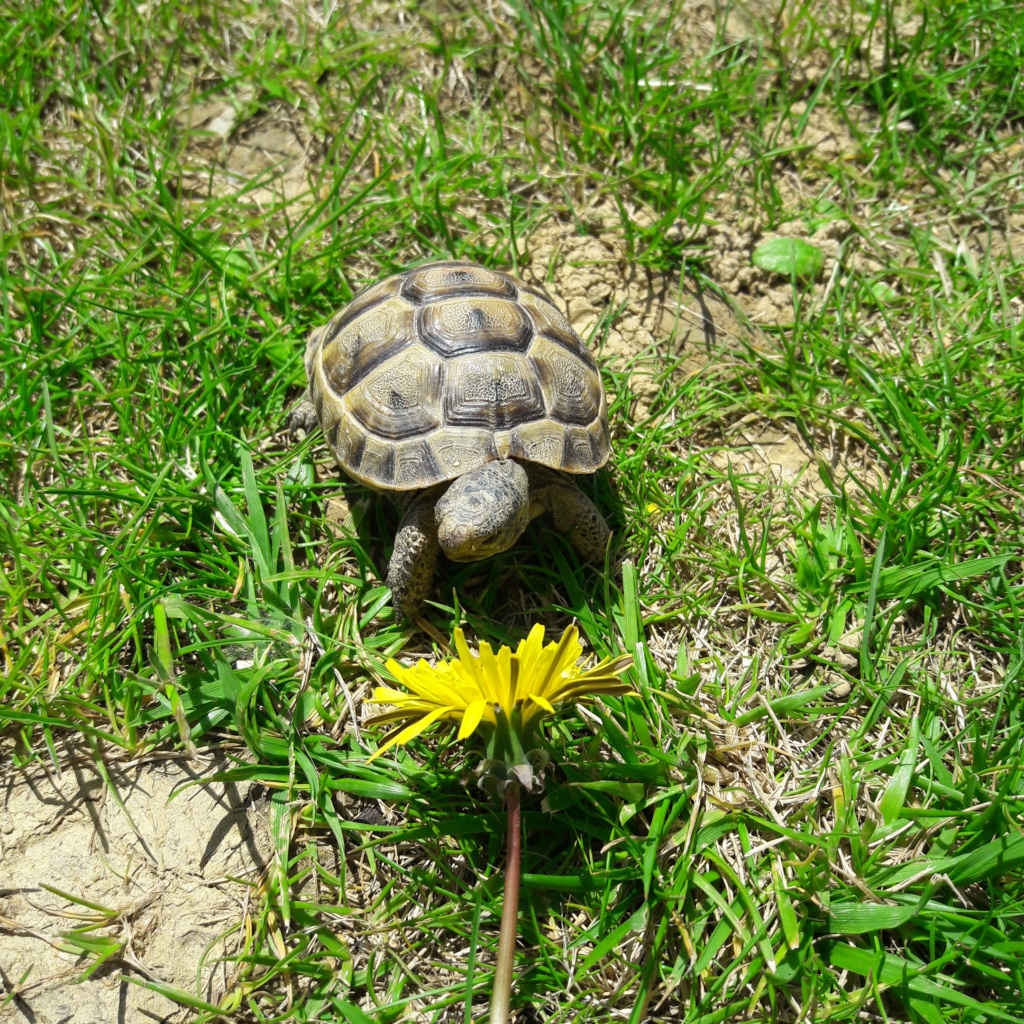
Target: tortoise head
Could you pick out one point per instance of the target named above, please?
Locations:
(484, 511)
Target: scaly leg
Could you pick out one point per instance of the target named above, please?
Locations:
(577, 517)
(411, 569)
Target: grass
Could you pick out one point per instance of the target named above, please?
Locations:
(756, 843)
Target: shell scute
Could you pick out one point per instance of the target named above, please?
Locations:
(571, 388)
(347, 437)
(460, 449)
(492, 389)
(415, 465)
(371, 339)
(363, 300)
(459, 326)
(543, 442)
(549, 320)
(600, 438)
(578, 451)
(378, 462)
(440, 281)
(401, 398)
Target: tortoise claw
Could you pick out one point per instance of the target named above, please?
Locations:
(302, 417)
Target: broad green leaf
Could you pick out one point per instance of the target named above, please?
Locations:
(175, 994)
(350, 1012)
(1000, 856)
(759, 933)
(576, 883)
(787, 915)
(866, 668)
(631, 791)
(636, 923)
(789, 257)
(162, 642)
(653, 843)
(385, 789)
(235, 263)
(561, 797)
(281, 831)
(882, 293)
(910, 580)
(257, 517)
(714, 824)
(782, 706)
(718, 939)
(238, 525)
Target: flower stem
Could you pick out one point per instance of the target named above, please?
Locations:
(509, 913)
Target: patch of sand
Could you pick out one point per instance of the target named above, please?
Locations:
(167, 882)
(263, 159)
(765, 448)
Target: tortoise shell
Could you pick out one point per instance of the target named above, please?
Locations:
(441, 368)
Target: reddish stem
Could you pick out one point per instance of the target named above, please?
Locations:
(509, 913)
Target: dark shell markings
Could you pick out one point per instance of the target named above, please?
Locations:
(439, 369)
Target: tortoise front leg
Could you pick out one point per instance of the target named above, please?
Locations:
(411, 569)
(302, 416)
(577, 517)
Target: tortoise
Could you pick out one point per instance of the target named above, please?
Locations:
(465, 395)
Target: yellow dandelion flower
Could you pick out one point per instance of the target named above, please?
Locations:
(475, 689)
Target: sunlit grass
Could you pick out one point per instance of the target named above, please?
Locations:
(749, 841)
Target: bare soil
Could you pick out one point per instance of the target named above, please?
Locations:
(164, 868)
(640, 321)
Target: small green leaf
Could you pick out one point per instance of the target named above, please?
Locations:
(883, 293)
(790, 257)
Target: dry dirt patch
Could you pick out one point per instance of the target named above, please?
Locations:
(267, 158)
(167, 878)
(772, 449)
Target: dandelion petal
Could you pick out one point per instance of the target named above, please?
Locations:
(542, 702)
(410, 732)
(471, 718)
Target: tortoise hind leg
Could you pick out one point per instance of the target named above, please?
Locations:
(577, 517)
(411, 569)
